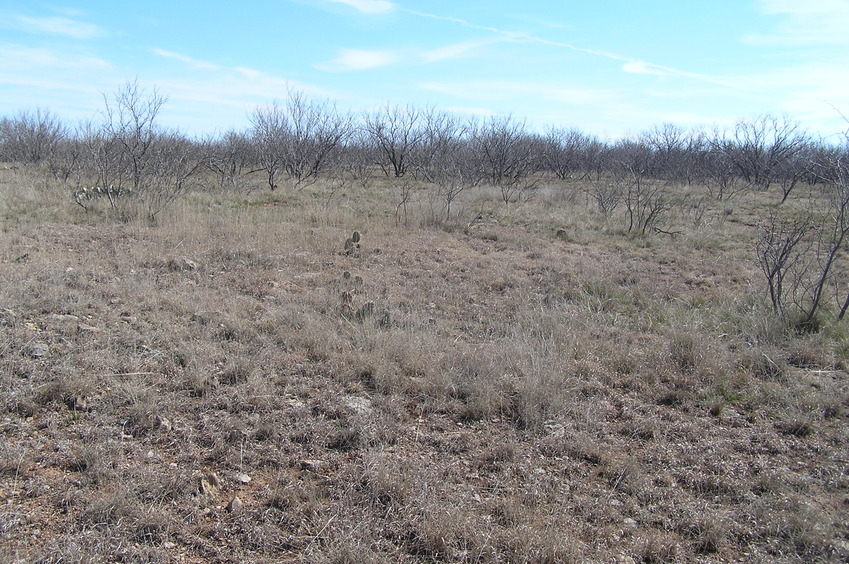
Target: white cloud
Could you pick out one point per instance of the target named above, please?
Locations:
(641, 67)
(455, 50)
(57, 26)
(499, 90)
(359, 59)
(194, 63)
(39, 60)
(368, 6)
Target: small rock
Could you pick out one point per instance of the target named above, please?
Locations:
(39, 350)
(729, 414)
(628, 522)
(243, 478)
(357, 404)
(63, 319)
(554, 428)
(235, 505)
(82, 328)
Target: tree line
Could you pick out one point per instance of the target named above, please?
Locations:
(299, 140)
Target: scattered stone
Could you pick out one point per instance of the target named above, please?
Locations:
(630, 523)
(83, 328)
(64, 319)
(39, 350)
(357, 404)
(554, 429)
(243, 478)
(729, 414)
(235, 505)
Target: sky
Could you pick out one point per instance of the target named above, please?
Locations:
(608, 67)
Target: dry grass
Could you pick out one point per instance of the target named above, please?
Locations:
(531, 386)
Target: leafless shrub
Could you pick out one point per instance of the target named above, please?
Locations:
(31, 136)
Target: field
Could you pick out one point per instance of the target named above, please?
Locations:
(248, 381)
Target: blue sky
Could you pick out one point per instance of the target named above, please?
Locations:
(610, 67)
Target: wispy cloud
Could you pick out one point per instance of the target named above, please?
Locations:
(813, 22)
(641, 67)
(57, 26)
(493, 90)
(456, 50)
(631, 65)
(359, 59)
(39, 60)
(191, 62)
(368, 6)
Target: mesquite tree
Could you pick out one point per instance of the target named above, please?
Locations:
(505, 152)
(397, 132)
(30, 136)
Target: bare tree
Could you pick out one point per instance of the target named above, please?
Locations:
(229, 157)
(316, 129)
(446, 158)
(505, 152)
(174, 161)
(758, 147)
(646, 199)
(718, 171)
(781, 248)
(130, 123)
(133, 162)
(804, 259)
(298, 137)
(564, 152)
(397, 132)
(607, 193)
(268, 137)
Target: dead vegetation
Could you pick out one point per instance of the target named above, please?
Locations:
(245, 381)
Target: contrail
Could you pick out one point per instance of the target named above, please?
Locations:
(529, 38)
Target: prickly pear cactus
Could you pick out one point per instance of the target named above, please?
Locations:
(352, 244)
